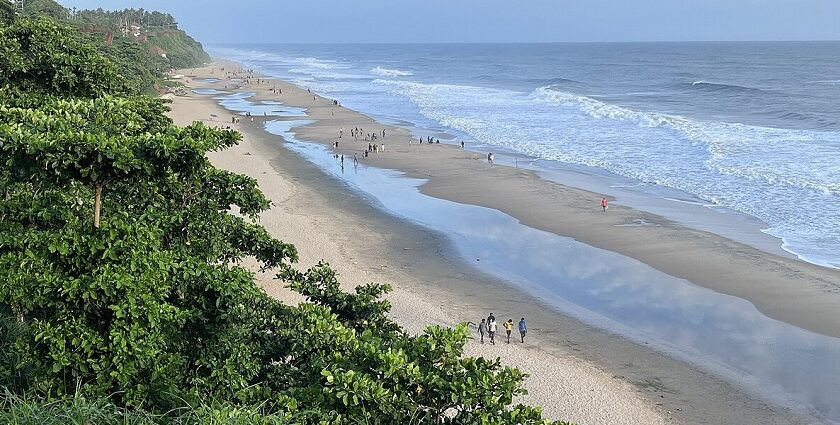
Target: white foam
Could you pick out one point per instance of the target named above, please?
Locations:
(787, 178)
(745, 168)
(327, 74)
(321, 63)
(826, 82)
(385, 72)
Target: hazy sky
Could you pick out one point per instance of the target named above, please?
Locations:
(393, 21)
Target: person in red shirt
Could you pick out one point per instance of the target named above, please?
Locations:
(604, 204)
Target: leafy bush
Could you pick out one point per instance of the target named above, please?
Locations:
(41, 57)
(16, 410)
(14, 374)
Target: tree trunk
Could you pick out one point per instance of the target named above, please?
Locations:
(97, 206)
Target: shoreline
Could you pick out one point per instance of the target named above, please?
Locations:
(787, 289)
(576, 340)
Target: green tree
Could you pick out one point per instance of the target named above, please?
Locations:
(43, 58)
(45, 8)
(7, 12)
(117, 247)
(362, 310)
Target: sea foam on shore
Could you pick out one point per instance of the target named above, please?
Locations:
(742, 138)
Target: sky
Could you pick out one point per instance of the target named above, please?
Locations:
(475, 21)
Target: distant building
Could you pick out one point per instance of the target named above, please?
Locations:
(133, 29)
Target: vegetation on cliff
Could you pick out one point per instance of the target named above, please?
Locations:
(141, 44)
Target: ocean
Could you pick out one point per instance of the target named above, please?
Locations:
(746, 127)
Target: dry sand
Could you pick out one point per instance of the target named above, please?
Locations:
(578, 373)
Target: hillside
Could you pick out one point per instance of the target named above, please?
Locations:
(143, 44)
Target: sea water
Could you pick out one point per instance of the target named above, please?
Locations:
(777, 361)
(747, 127)
(727, 335)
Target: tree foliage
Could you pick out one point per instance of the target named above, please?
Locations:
(44, 8)
(121, 250)
(43, 58)
(7, 12)
(140, 62)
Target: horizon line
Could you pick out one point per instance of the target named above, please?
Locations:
(530, 42)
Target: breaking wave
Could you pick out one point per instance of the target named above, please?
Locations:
(385, 72)
(739, 166)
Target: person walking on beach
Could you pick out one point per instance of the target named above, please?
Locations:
(340, 132)
(490, 157)
(462, 144)
(482, 328)
(508, 328)
(355, 160)
(523, 329)
(491, 330)
(604, 204)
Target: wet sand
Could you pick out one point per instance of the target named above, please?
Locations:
(578, 373)
(782, 288)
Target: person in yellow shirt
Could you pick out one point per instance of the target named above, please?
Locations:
(508, 328)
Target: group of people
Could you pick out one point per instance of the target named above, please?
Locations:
(488, 326)
(248, 78)
(371, 148)
(429, 140)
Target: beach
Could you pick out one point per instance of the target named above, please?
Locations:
(578, 373)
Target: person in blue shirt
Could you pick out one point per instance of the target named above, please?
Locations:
(523, 329)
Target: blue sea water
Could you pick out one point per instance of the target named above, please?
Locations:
(752, 127)
(782, 364)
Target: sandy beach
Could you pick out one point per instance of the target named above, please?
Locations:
(578, 373)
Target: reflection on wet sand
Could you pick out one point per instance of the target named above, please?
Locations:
(716, 331)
